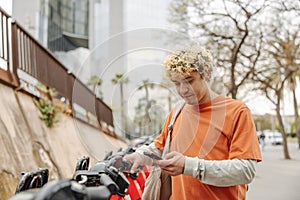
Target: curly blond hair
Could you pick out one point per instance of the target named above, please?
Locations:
(184, 60)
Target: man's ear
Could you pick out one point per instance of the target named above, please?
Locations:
(203, 77)
(207, 77)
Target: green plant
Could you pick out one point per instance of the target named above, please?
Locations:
(48, 111)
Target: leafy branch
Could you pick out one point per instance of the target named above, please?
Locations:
(48, 111)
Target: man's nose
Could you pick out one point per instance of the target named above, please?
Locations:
(184, 88)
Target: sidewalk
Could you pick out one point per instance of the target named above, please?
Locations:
(277, 178)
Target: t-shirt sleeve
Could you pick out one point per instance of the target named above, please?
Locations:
(244, 143)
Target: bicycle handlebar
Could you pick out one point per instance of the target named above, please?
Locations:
(98, 193)
(66, 189)
(104, 179)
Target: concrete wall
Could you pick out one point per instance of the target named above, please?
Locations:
(26, 144)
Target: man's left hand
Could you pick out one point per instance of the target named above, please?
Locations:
(173, 163)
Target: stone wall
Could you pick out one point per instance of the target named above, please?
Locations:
(26, 144)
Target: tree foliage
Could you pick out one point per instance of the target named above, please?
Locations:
(279, 64)
(95, 82)
(48, 111)
(230, 29)
(121, 80)
(255, 44)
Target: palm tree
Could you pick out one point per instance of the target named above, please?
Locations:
(146, 85)
(166, 85)
(94, 82)
(291, 53)
(119, 79)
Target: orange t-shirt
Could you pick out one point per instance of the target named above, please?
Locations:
(219, 130)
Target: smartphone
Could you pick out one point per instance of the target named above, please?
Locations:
(152, 155)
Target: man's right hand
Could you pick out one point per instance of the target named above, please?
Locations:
(136, 160)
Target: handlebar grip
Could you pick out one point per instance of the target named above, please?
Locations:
(98, 193)
(109, 183)
(25, 195)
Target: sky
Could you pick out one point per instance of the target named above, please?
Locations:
(6, 5)
(261, 105)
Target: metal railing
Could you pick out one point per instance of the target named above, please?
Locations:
(25, 53)
(6, 71)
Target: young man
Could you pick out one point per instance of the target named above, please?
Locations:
(214, 148)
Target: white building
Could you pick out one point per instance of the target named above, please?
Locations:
(112, 36)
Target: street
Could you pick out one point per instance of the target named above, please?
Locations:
(277, 178)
